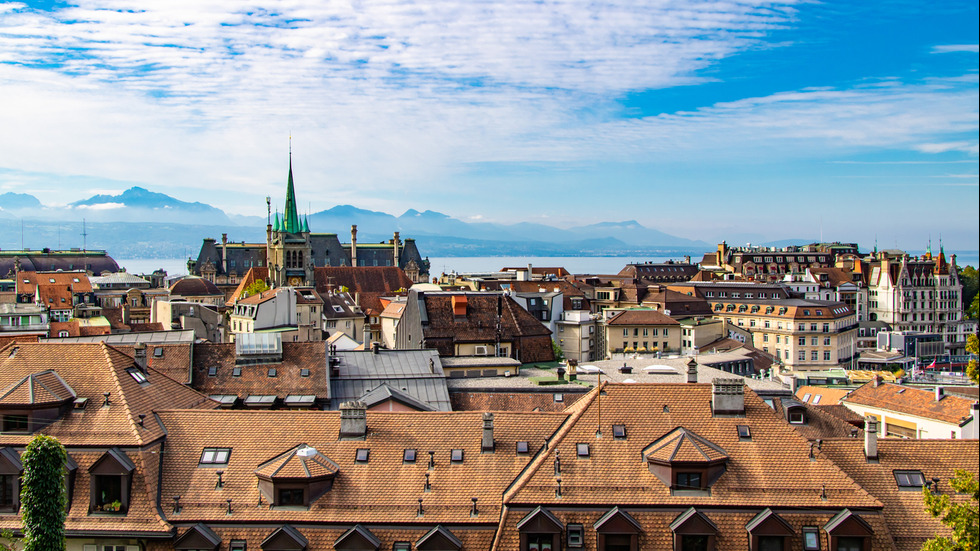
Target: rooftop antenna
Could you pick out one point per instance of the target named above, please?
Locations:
(84, 236)
(22, 234)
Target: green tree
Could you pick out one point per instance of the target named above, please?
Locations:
(961, 518)
(970, 280)
(257, 286)
(43, 495)
(973, 347)
(556, 348)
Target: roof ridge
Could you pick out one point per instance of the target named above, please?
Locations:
(562, 431)
(122, 395)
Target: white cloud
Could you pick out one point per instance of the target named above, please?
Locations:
(956, 48)
(101, 206)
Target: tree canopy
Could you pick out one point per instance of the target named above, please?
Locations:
(43, 495)
(961, 518)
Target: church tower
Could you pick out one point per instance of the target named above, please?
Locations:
(291, 255)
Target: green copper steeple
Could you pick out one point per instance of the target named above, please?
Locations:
(275, 223)
(290, 219)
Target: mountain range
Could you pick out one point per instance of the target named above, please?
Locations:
(175, 227)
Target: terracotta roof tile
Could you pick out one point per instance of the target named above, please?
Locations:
(911, 401)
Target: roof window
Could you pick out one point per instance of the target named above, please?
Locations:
(273, 372)
(158, 352)
(213, 371)
(362, 455)
(137, 375)
(522, 447)
(582, 450)
(408, 456)
(304, 372)
(456, 456)
(744, 433)
(236, 372)
(811, 538)
(215, 456)
(806, 397)
(816, 399)
(909, 479)
(619, 431)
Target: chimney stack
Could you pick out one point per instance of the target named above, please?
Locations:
(139, 351)
(692, 371)
(353, 245)
(871, 438)
(353, 420)
(940, 392)
(728, 397)
(487, 444)
(877, 381)
(224, 253)
(375, 347)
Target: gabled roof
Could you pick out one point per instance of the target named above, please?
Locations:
(912, 401)
(540, 512)
(641, 317)
(254, 379)
(435, 535)
(384, 393)
(617, 514)
(358, 534)
(692, 514)
(480, 320)
(285, 535)
(91, 370)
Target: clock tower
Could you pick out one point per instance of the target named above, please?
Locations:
(290, 253)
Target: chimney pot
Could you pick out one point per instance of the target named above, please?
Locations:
(692, 371)
(139, 355)
(871, 438)
(353, 420)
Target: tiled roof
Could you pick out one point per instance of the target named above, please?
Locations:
(819, 422)
(479, 323)
(192, 286)
(506, 401)
(78, 282)
(828, 396)
(641, 317)
(251, 276)
(684, 445)
(255, 379)
(45, 387)
(92, 370)
(772, 469)
(369, 284)
(911, 401)
(909, 523)
(384, 489)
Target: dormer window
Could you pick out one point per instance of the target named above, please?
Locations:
(10, 470)
(685, 461)
(297, 477)
(110, 480)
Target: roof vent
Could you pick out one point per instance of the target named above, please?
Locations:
(307, 451)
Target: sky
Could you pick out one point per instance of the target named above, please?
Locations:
(841, 120)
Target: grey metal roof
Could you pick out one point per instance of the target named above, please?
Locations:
(386, 392)
(407, 371)
(148, 337)
(117, 279)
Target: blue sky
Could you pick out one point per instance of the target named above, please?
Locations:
(708, 120)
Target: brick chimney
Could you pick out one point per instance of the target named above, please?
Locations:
(353, 420)
(871, 438)
(486, 445)
(353, 245)
(396, 242)
(692, 371)
(139, 353)
(728, 397)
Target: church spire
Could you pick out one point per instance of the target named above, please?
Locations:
(290, 219)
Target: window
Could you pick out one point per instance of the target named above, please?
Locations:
(522, 447)
(802, 355)
(408, 456)
(272, 372)
(826, 355)
(238, 545)
(362, 455)
(9, 491)
(137, 375)
(15, 423)
(402, 546)
(814, 355)
(744, 432)
(456, 456)
(801, 341)
(212, 371)
(576, 535)
(619, 431)
(290, 496)
(909, 479)
(688, 481)
(582, 449)
(811, 538)
(236, 372)
(796, 417)
(536, 542)
(215, 456)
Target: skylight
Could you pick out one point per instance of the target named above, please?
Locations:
(522, 447)
(236, 372)
(744, 432)
(619, 431)
(362, 455)
(816, 399)
(215, 456)
(409, 455)
(213, 371)
(137, 375)
(582, 449)
(456, 456)
(304, 372)
(909, 479)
